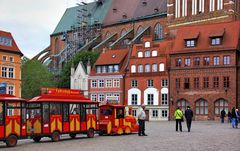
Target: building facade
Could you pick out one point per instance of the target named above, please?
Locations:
(147, 78)
(204, 70)
(106, 81)
(10, 64)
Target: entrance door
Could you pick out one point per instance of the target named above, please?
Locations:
(34, 119)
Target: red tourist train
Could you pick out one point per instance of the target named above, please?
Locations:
(60, 111)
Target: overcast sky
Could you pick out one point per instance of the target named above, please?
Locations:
(32, 21)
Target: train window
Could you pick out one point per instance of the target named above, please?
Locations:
(108, 111)
(45, 112)
(13, 108)
(65, 112)
(83, 112)
(1, 114)
(55, 109)
(120, 113)
(74, 109)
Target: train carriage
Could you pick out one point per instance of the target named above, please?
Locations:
(60, 111)
(115, 119)
(12, 119)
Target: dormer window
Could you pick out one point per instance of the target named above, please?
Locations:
(190, 43)
(216, 41)
(5, 41)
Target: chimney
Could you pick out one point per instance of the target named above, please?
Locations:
(88, 66)
(72, 69)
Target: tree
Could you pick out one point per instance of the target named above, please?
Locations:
(83, 56)
(34, 77)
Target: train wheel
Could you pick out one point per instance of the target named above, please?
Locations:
(11, 141)
(37, 139)
(120, 131)
(127, 130)
(72, 135)
(55, 137)
(90, 133)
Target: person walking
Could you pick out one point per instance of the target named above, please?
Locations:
(233, 117)
(223, 114)
(229, 117)
(237, 118)
(141, 121)
(179, 117)
(188, 116)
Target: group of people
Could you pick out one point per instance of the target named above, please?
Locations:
(233, 117)
(179, 118)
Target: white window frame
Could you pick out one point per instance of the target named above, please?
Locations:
(101, 97)
(133, 68)
(147, 44)
(94, 83)
(155, 113)
(11, 57)
(94, 97)
(147, 68)
(164, 99)
(11, 89)
(161, 67)
(201, 6)
(177, 8)
(147, 53)
(5, 58)
(212, 5)
(194, 7)
(164, 83)
(184, 8)
(100, 83)
(116, 83)
(154, 53)
(154, 67)
(165, 113)
(140, 68)
(10, 73)
(134, 112)
(140, 54)
(135, 101)
(109, 83)
(4, 73)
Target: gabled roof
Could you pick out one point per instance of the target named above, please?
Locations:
(230, 32)
(14, 48)
(111, 57)
(96, 12)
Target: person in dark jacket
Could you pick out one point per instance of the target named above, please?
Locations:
(233, 117)
(223, 114)
(188, 116)
(229, 117)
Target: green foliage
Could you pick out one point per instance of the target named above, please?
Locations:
(34, 77)
(24, 59)
(83, 56)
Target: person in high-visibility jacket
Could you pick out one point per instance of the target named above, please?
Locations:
(179, 118)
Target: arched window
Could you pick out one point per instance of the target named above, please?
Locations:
(147, 68)
(154, 67)
(140, 68)
(158, 32)
(161, 67)
(147, 53)
(154, 53)
(140, 54)
(201, 107)
(182, 104)
(147, 44)
(219, 105)
(139, 30)
(108, 34)
(133, 69)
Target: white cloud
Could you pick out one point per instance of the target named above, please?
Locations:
(32, 21)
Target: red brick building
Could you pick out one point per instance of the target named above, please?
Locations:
(106, 81)
(146, 79)
(204, 70)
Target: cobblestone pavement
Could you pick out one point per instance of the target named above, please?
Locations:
(205, 136)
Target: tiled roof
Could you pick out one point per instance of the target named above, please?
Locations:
(230, 32)
(111, 57)
(14, 48)
(134, 9)
(96, 12)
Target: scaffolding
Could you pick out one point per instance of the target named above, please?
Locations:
(87, 29)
